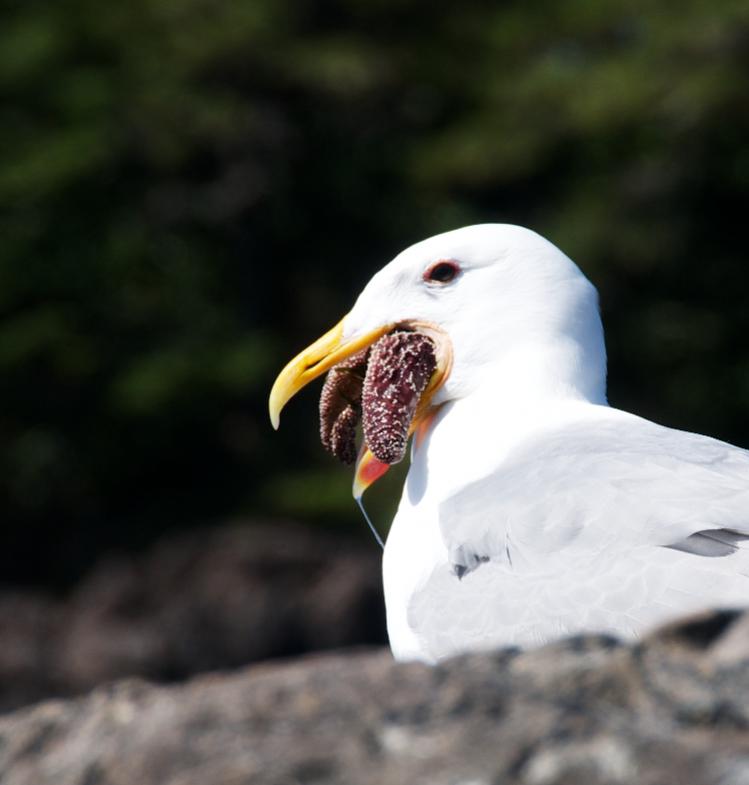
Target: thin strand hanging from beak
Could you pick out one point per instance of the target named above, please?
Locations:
(370, 524)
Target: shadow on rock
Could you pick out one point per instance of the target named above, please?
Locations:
(211, 599)
(671, 709)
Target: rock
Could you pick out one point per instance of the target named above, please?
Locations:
(214, 598)
(672, 709)
(30, 627)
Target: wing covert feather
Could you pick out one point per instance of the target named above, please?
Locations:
(596, 484)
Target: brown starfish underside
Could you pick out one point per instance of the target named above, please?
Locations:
(381, 386)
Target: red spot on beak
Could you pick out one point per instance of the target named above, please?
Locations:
(368, 471)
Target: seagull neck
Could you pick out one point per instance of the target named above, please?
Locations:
(526, 391)
(532, 375)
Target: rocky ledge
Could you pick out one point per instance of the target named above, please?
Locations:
(211, 599)
(673, 709)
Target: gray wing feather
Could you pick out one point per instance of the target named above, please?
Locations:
(616, 482)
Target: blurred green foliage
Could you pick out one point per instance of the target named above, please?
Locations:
(191, 190)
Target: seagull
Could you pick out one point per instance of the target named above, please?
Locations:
(532, 510)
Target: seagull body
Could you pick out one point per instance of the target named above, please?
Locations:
(533, 510)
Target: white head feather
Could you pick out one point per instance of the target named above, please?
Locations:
(519, 313)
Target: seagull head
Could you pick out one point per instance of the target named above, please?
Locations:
(504, 307)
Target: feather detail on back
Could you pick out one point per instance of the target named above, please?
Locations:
(615, 481)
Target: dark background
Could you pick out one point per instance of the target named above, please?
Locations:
(193, 190)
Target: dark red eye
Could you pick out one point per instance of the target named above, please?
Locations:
(442, 272)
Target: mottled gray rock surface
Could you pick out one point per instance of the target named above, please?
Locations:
(198, 601)
(674, 709)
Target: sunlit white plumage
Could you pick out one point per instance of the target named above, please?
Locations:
(532, 509)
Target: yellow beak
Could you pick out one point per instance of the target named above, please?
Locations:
(314, 361)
